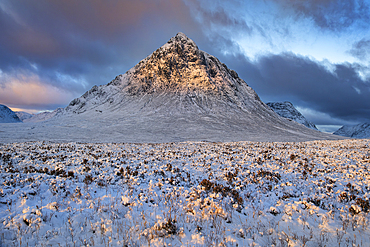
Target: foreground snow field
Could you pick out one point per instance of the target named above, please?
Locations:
(185, 194)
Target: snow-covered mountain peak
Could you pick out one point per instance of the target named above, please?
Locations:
(180, 67)
(177, 93)
(180, 39)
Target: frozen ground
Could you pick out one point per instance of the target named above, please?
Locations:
(129, 124)
(185, 194)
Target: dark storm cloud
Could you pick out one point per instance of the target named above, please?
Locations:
(361, 49)
(218, 18)
(53, 51)
(340, 92)
(334, 15)
(338, 95)
(70, 34)
(73, 45)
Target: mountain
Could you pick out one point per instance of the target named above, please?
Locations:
(177, 93)
(355, 131)
(176, 77)
(23, 115)
(43, 116)
(7, 115)
(287, 110)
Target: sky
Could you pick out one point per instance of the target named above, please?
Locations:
(315, 54)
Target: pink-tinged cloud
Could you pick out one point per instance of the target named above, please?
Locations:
(28, 91)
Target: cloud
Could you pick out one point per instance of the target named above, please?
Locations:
(78, 36)
(361, 49)
(278, 26)
(73, 45)
(218, 18)
(28, 91)
(335, 15)
(63, 48)
(320, 118)
(338, 92)
(113, 22)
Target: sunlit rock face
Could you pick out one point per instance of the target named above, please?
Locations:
(177, 93)
(180, 69)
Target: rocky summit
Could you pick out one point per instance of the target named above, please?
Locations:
(177, 93)
(178, 72)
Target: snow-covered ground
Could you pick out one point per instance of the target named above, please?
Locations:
(185, 194)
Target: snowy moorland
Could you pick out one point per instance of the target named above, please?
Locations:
(185, 194)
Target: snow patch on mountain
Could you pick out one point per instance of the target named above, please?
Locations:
(287, 110)
(7, 115)
(43, 116)
(355, 131)
(23, 115)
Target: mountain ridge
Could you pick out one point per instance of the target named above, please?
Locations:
(177, 93)
(23, 115)
(361, 130)
(7, 115)
(286, 109)
(176, 68)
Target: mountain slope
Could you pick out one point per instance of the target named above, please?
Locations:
(23, 115)
(178, 71)
(355, 131)
(43, 116)
(7, 115)
(287, 110)
(178, 93)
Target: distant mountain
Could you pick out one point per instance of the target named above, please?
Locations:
(23, 115)
(355, 131)
(43, 116)
(287, 110)
(177, 93)
(7, 115)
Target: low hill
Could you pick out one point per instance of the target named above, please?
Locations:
(7, 115)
